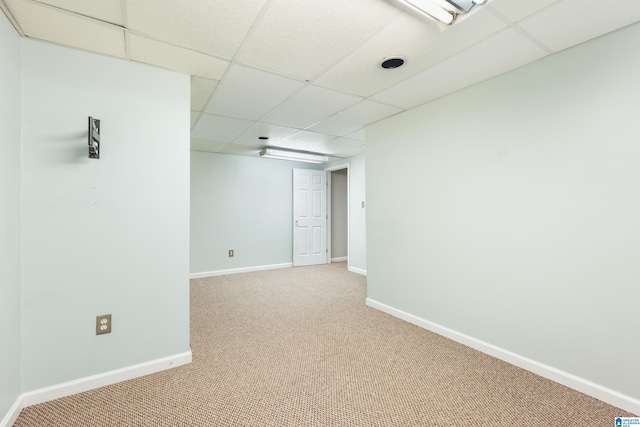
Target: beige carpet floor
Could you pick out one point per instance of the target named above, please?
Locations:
(299, 347)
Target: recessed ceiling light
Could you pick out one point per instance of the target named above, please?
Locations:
(391, 63)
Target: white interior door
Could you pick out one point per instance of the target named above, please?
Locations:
(309, 217)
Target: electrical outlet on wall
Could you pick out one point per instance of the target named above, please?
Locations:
(103, 324)
(230, 253)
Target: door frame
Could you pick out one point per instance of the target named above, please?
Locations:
(329, 220)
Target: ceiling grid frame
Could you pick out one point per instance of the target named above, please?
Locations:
(338, 129)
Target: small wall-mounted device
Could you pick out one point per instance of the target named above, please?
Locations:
(94, 138)
(103, 324)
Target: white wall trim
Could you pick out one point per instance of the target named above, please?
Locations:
(339, 259)
(11, 416)
(239, 270)
(582, 385)
(357, 270)
(92, 382)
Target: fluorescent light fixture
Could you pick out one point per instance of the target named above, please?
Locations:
(432, 9)
(293, 155)
(444, 10)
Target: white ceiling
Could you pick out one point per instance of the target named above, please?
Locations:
(306, 73)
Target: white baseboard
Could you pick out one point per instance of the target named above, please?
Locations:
(11, 416)
(239, 270)
(92, 382)
(339, 259)
(357, 270)
(582, 385)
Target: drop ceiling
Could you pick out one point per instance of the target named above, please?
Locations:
(306, 73)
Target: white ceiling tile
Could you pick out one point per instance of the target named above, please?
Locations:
(359, 135)
(195, 115)
(276, 134)
(350, 152)
(201, 90)
(355, 117)
(175, 58)
(240, 150)
(104, 10)
(306, 136)
(220, 129)
(306, 141)
(569, 22)
(302, 38)
(345, 147)
(213, 27)
(507, 49)
(48, 23)
(210, 146)
(422, 43)
(515, 10)
(338, 125)
(247, 93)
(309, 106)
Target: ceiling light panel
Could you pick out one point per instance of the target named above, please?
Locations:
(569, 22)
(464, 6)
(293, 155)
(355, 117)
(247, 93)
(423, 45)
(220, 129)
(276, 134)
(213, 27)
(143, 49)
(104, 10)
(508, 50)
(201, 90)
(432, 9)
(310, 106)
(515, 10)
(302, 38)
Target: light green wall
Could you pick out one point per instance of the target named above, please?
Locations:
(102, 236)
(509, 211)
(245, 204)
(241, 203)
(10, 106)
